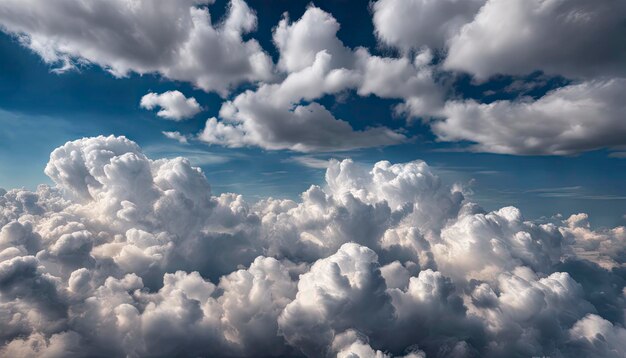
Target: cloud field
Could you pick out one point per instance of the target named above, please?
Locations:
(132, 256)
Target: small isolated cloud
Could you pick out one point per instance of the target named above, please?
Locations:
(173, 105)
(181, 138)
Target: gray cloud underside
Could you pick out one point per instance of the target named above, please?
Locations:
(129, 256)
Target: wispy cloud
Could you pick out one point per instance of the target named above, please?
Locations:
(574, 192)
(309, 161)
(196, 157)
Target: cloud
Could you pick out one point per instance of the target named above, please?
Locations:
(130, 256)
(520, 37)
(316, 63)
(174, 105)
(333, 295)
(568, 120)
(310, 162)
(410, 25)
(594, 336)
(280, 107)
(606, 247)
(271, 117)
(174, 39)
(177, 136)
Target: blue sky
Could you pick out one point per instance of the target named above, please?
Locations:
(40, 110)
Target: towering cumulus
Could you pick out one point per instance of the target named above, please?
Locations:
(131, 256)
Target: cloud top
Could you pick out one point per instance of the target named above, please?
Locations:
(130, 256)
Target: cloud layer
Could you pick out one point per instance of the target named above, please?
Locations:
(129, 256)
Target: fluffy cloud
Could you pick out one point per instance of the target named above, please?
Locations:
(568, 120)
(573, 38)
(518, 38)
(413, 24)
(284, 115)
(280, 109)
(129, 256)
(174, 105)
(607, 248)
(594, 336)
(175, 39)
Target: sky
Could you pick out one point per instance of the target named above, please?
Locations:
(50, 108)
(413, 159)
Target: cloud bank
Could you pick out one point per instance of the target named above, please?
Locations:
(130, 256)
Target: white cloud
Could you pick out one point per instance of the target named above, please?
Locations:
(412, 24)
(310, 162)
(271, 117)
(130, 256)
(604, 247)
(284, 115)
(595, 336)
(177, 136)
(173, 105)
(569, 120)
(174, 39)
(335, 294)
(300, 42)
(572, 38)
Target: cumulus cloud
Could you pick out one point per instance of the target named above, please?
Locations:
(594, 336)
(568, 120)
(177, 40)
(280, 109)
(285, 115)
(518, 38)
(130, 256)
(270, 118)
(173, 105)
(572, 38)
(410, 25)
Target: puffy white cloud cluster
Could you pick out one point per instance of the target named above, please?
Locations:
(129, 256)
(412, 24)
(568, 120)
(576, 39)
(572, 38)
(176, 39)
(179, 41)
(315, 63)
(174, 105)
(579, 40)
